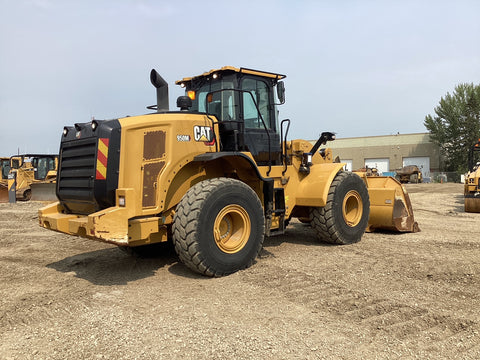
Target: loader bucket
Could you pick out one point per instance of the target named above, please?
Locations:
(472, 204)
(390, 206)
(43, 191)
(3, 193)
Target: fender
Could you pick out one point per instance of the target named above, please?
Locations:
(313, 188)
(225, 154)
(268, 183)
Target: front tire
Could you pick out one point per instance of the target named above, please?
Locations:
(218, 227)
(344, 218)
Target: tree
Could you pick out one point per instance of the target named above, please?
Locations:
(455, 127)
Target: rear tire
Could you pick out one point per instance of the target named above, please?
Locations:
(218, 227)
(344, 218)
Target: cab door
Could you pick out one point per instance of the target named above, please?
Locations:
(258, 114)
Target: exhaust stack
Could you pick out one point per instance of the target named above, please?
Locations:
(162, 90)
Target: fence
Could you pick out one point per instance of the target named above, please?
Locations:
(437, 177)
(444, 177)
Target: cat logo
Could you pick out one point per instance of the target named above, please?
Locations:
(203, 133)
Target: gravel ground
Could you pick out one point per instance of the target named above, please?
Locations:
(390, 296)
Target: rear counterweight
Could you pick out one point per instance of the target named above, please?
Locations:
(88, 166)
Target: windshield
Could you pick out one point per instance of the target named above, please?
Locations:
(224, 103)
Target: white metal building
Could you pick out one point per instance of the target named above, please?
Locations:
(389, 152)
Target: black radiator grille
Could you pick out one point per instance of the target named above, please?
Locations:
(77, 170)
(79, 189)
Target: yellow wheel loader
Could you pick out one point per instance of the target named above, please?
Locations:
(472, 181)
(215, 177)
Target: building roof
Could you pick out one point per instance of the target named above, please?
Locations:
(382, 140)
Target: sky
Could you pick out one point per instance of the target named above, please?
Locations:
(356, 68)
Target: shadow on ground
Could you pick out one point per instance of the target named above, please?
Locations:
(113, 266)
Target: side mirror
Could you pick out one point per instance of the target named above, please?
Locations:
(281, 92)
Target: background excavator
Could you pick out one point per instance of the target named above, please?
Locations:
(214, 177)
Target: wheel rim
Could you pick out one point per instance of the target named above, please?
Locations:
(352, 208)
(232, 229)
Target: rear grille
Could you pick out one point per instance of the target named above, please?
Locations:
(79, 189)
(77, 170)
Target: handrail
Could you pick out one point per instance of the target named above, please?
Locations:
(284, 143)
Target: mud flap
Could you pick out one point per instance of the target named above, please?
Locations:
(43, 191)
(390, 205)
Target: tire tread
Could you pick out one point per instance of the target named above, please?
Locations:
(185, 226)
(323, 219)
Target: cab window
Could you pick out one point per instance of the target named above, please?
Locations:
(257, 92)
(223, 104)
(5, 168)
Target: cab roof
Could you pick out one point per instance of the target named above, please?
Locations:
(238, 70)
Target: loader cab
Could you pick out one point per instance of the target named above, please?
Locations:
(243, 102)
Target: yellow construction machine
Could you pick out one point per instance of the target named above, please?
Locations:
(8, 163)
(215, 177)
(5, 164)
(472, 180)
(45, 176)
(30, 169)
